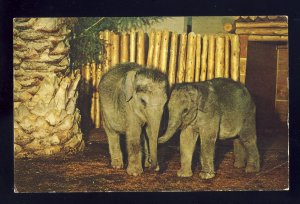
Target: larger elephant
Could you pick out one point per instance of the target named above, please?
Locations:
(219, 108)
(132, 98)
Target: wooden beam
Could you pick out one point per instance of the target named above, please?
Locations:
(198, 58)
(211, 58)
(157, 44)
(124, 47)
(235, 58)
(262, 31)
(228, 27)
(190, 59)
(272, 17)
(253, 18)
(115, 39)
(227, 56)
(107, 47)
(267, 38)
(262, 24)
(132, 45)
(173, 57)
(243, 45)
(140, 58)
(164, 51)
(219, 56)
(181, 58)
(204, 58)
(151, 48)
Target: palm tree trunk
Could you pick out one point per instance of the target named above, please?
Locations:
(46, 120)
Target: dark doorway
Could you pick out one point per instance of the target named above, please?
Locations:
(261, 81)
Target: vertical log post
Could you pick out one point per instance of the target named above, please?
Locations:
(124, 47)
(97, 110)
(93, 101)
(235, 57)
(172, 60)
(227, 59)
(141, 48)
(204, 58)
(87, 77)
(198, 58)
(132, 45)
(164, 51)
(115, 48)
(102, 52)
(151, 48)
(87, 93)
(107, 47)
(211, 56)
(156, 53)
(219, 57)
(181, 58)
(190, 59)
(97, 98)
(243, 57)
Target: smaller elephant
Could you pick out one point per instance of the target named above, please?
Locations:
(218, 108)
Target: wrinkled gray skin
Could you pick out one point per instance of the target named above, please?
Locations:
(219, 108)
(132, 97)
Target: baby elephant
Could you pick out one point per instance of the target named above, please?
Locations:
(131, 98)
(219, 108)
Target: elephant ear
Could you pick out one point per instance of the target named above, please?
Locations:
(129, 85)
(202, 98)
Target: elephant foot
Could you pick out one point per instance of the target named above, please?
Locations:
(184, 173)
(206, 175)
(117, 163)
(252, 168)
(147, 163)
(155, 167)
(239, 164)
(134, 171)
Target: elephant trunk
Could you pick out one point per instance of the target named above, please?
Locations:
(172, 128)
(153, 134)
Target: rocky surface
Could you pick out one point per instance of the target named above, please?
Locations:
(46, 120)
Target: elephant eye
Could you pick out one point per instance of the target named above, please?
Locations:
(143, 102)
(185, 111)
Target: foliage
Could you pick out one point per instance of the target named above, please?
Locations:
(85, 43)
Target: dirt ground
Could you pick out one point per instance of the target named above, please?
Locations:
(90, 171)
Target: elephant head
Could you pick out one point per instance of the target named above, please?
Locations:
(146, 92)
(185, 101)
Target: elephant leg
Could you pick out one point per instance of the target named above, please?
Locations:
(248, 138)
(133, 143)
(147, 162)
(153, 145)
(114, 148)
(208, 137)
(239, 153)
(188, 139)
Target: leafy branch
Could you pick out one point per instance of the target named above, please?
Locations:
(84, 40)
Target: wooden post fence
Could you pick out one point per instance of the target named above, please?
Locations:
(189, 58)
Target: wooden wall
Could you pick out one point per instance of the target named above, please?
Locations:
(261, 81)
(281, 100)
(267, 73)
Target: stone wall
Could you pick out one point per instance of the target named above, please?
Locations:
(46, 120)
